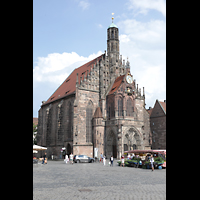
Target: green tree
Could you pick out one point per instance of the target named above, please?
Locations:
(34, 133)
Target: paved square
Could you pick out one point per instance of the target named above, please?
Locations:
(58, 180)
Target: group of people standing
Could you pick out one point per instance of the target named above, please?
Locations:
(69, 159)
(103, 159)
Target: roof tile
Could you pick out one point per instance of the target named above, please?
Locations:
(69, 85)
(116, 84)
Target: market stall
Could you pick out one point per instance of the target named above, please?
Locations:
(141, 158)
(37, 148)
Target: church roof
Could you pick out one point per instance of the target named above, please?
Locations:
(113, 25)
(98, 113)
(69, 85)
(116, 84)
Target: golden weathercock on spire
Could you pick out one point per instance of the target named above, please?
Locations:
(112, 17)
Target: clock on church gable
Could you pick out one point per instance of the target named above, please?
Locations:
(129, 79)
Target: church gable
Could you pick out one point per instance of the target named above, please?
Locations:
(69, 85)
(116, 84)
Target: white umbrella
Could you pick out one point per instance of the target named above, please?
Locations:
(36, 147)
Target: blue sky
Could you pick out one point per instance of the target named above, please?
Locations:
(69, 33)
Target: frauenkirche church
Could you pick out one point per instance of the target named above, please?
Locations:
(99, 106)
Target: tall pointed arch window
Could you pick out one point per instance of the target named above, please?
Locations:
(112, 34)
(112, 109)
(116, 34)
(129, 108)
(120, 107)
(69, 121)
(89, 111)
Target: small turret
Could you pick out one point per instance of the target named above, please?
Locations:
(127, 66)
(98, 130)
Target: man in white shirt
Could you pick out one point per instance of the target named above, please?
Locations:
(111, 160)
(104, 160)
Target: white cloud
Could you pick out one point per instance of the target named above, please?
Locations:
(143, 42)
(124, 38)
(145, 5)
(55, 66)
(145, 45)
(84, 4)
(51, 71)
(151, 34)
(100, 26)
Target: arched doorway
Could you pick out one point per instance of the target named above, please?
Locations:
(111, 145)
(68, 149)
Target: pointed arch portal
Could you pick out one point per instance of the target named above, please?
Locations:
(111, 145)
(132, 139)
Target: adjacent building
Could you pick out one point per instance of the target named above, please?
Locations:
(158, 125)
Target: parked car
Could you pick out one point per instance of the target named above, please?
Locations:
(83, 158)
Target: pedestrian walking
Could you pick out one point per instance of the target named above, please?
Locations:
(66, 158)
(101, 159)
(71, 158)
(44, 159)
(122, 161)
(152, 161)
(111, 161)
(104, 160)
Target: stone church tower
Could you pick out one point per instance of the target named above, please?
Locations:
(98, 106)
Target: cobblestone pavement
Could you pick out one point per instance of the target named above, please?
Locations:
(57, 180)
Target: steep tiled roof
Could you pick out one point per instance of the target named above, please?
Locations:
(69, 85)
(116, 84)
(163, 105)
(98, 113)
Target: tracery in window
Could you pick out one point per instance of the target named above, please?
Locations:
(120, 107)
(89, 110)
(129, 107)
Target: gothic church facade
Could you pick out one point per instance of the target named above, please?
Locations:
(98, 106)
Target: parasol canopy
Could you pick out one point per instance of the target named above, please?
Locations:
(36, 147)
